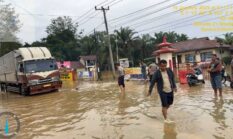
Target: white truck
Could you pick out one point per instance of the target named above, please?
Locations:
(29, 70)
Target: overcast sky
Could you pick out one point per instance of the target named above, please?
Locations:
(35, 16)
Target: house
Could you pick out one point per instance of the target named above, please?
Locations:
(199, 50)
(70, 65)
(231, 49)
(89, 61)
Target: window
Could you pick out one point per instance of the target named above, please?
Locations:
(90, 62)
(206, 56)
(190, 58)
(179, 59)
(40, 65)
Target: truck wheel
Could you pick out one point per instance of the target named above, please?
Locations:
(23, 91)
(3, 88)
(190, 84)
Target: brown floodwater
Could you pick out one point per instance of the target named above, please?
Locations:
(96, 110)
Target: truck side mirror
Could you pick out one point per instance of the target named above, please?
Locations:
(21, 69)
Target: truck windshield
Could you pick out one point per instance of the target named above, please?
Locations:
(40, 65)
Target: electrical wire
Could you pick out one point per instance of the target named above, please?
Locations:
(165, 15)
(138, 11)
(150, 13)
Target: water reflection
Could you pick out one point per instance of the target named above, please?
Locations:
(169, 131)
(123, 103)
(98, 110)
(218, 114)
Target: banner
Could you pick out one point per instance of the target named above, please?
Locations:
(85, 74)
(132, 70)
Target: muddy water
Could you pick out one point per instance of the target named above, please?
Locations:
(98, 111)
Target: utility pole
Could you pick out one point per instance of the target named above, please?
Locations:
(117, 49)
(109, 43)
(98, 58)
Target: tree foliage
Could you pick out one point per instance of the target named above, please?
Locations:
(65, 44)
(9, 26)
(9, 23)
(62, 38)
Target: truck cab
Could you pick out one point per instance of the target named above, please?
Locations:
(34, 69)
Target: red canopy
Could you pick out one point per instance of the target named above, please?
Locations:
(165, 47)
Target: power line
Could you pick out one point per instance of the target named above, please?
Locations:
(52, 15)
(107, 4)
(152, 12)
(89, 11)
(103, 22)
(92, 31)
(83, 21)
(115, 3)
(167, 23)
(144, 9)
(191, 24)
(165, 15)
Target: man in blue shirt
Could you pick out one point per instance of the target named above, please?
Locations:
(143, 70)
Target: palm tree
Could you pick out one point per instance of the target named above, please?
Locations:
(172, 37)
(147, 47)
(228, 39)
(126, 37)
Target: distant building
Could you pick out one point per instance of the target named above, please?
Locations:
(199, 50)
(89, 61)
(70, 65)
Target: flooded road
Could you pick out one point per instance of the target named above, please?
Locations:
(98, 111)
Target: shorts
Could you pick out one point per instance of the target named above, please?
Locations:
(121, 81)
(166, 98)
(216, 81)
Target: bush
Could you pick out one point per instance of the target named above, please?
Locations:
(227, 60)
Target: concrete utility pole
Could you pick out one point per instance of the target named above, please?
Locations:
(109, 43)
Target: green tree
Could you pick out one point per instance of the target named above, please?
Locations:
(62, 38)
(172, 37)
(148, 43)
(126, 38)
(228, 39)
(9, 26)
(9, 23)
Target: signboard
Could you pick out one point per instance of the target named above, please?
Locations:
(85, 74)
(134, 73)
(124, 62)
(66, 76)
(132, 70)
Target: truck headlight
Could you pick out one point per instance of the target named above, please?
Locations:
(56, 78)
(33, 82)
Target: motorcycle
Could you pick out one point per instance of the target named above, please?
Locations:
(196, 77)
(226, 77)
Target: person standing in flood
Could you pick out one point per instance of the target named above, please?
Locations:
(165, 85)
(143, 70)
(151, 70)
(121, 75)
(215, 69)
